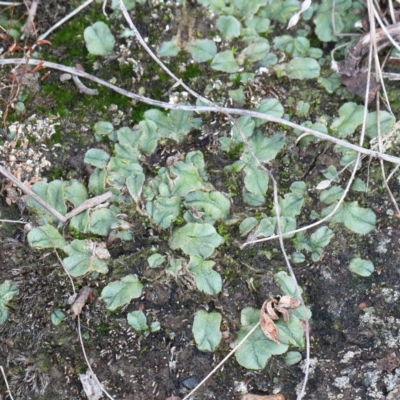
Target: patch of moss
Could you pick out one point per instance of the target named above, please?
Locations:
(102, 328)
(44, 363)
(56, 173)
(222, 230)
(138, 111)
(192, 71)
(64, 99)
(229, 275)
(107, 97)
(57, 136)
(236, 152)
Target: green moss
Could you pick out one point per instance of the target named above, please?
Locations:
(56, 173)
(236, 152)
(222, 230)
(231, 183)
(250, 253)
(336, 325)
(102, 328)
(138, 111)
(70, 36)
(64, 99)
(125, 71)
(107, 97)
(192, 71)
(57, 137)
(229, 275)
(44, 363)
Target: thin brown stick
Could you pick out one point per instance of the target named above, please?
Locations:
(35, 197)
(89, 203)
(94, 201)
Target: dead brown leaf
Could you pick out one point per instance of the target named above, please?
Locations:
(80, 302)
(267, 324)
(249, 396)
(269, 314)
(289, 302)
(269, 309)
(284, 312)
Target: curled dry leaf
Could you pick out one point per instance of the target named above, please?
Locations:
(80, 302)
(173, 398)
(289, 302)
(284, 312)
(249, 396)
(269, 313)
(267, 324)
(270, 310)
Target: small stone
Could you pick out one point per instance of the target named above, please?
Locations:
(191, 382)
(65, 77)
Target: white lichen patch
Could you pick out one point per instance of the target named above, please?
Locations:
(390, 295)
(392, 381)
(24, 160)
(347, 357)
(342, 382)
(40, 129)
(381, 248)
(388, 327)
(312, 366)
(394, 394)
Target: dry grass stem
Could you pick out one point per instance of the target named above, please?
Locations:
(29, 192)
(6, 382)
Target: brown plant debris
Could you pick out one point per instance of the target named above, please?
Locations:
(353, 69)
(80, 301)
(268, 315)
(249, 396)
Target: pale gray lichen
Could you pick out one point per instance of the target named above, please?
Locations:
(27, 161)
(388, 326)
(390, 295)
(342, 382)
(40, 129)
(348, 356)
(392, 381)
(382, 245)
